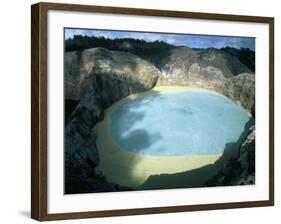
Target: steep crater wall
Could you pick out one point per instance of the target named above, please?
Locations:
(96, 78)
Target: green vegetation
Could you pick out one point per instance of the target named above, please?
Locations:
(151, 51)
(245, 55)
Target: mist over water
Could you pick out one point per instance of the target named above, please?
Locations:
(189, 123)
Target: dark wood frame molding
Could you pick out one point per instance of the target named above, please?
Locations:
(39, 110)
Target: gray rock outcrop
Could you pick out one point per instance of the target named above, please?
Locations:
(182, 58)
(127, 72)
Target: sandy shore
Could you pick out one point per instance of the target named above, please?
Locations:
(130, 169)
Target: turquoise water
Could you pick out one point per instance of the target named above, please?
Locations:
(189, 123)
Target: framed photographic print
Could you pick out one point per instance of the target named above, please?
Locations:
(139, 111)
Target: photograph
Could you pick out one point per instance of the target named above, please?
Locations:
(157, 111)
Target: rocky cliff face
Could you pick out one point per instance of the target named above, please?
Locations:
(180, 59)
(129, 73)
(212, 69)
(103, 77)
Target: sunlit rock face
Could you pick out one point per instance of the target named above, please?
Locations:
(121, 72)
(177, 64)
(181, 59)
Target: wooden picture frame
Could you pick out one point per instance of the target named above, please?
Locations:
(39, 110)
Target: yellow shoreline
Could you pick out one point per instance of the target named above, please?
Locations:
(129, 169)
